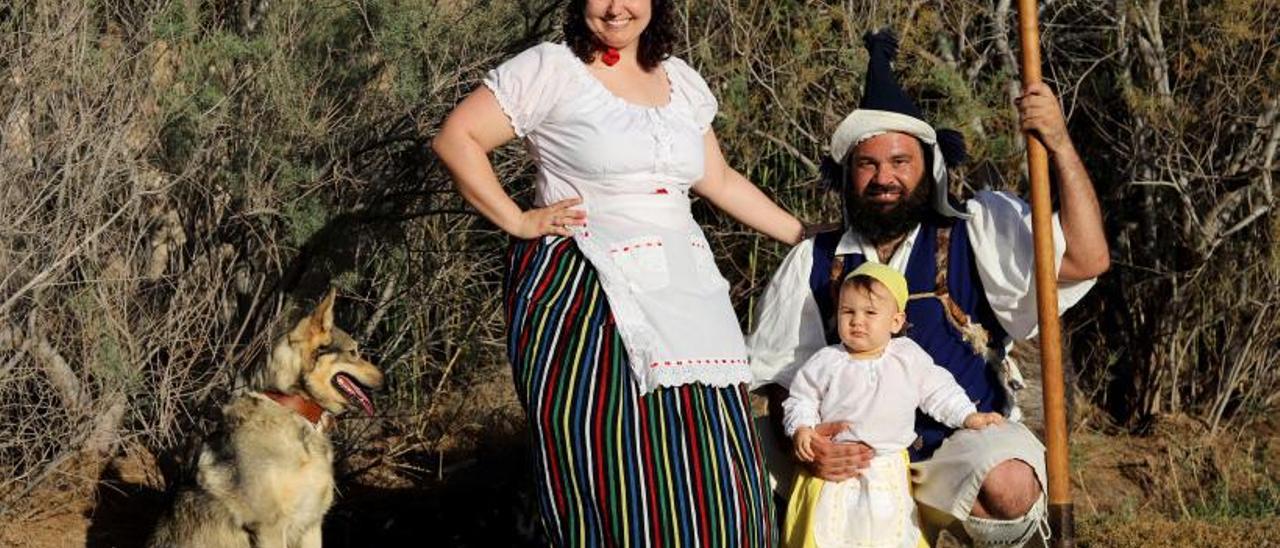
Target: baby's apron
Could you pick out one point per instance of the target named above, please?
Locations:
(874, 510)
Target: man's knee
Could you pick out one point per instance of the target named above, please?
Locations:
(1008, 492)
(1009, 510)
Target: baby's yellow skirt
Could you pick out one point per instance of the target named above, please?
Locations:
(874, 510)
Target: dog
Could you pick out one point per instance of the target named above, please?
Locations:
(264, 477)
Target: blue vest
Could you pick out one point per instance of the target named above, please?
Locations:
(928, 325)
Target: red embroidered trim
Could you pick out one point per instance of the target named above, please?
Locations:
(624, 249)
(710, 361)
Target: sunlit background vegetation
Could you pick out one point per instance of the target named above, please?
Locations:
(178, 178)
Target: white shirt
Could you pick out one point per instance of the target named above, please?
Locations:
(878, 396)
(633, 166)
(789, 326)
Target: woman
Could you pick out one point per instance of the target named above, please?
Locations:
(627, 355)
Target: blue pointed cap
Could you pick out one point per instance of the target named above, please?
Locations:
(882, 91)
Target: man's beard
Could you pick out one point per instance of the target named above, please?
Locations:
(879, 226)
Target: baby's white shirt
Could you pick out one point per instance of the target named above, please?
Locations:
(878, 396)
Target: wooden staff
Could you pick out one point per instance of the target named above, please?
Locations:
(1055, 410)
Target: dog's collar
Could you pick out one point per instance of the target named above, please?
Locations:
(309, 409)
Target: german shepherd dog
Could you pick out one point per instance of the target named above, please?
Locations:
(264, 477)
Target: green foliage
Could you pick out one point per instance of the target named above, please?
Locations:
(115, 366)
(305, 217)
(176, 21)
(404, 38)
(1224, 503)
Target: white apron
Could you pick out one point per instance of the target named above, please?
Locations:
(633, 166)
(874, 510)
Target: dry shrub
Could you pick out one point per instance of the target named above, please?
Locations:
(179, 177)
(1178, 116)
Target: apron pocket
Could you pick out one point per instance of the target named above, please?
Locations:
(705, 263)
(644, 261)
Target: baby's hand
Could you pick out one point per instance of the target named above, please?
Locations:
(803, 440)
(978, 421)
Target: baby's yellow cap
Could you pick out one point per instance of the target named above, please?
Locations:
(886, 275)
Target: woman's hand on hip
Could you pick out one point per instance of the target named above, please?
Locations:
(552, 220)
(837, 461)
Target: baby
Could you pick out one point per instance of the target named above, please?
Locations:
(873, 381)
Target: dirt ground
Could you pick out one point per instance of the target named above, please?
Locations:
(1176, 485)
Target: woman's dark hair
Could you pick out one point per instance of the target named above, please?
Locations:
(656, 42)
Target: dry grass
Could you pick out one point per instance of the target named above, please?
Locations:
(1178, 486)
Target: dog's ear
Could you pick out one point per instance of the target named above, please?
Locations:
(321, 324)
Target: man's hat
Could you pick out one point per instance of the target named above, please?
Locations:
(885, 107)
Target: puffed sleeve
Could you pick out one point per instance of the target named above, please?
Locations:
(529, 85)
(788, 326)
(804, 397)
(1000, 235)
(941, 397)
(696, 92)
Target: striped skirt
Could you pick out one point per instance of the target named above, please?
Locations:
(680, 466)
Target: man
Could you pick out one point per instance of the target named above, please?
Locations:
(970, 274)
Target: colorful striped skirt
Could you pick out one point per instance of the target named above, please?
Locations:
(680, 466)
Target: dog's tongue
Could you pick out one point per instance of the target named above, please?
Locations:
(352, 389)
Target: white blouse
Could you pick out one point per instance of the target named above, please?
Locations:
(789, 326)
(633, 166)
(878, 396)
